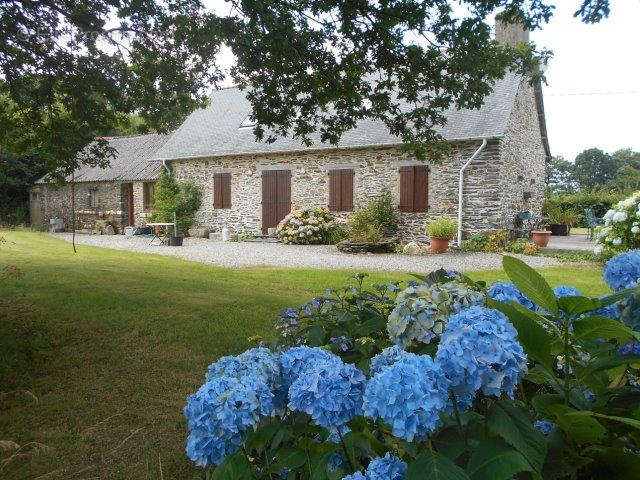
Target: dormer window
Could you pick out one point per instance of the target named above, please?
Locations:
(248, 123)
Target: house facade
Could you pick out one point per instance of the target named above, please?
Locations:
(120, 195)
(249, 186)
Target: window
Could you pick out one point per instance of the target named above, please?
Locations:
(92, 198)
(148, 191)
(414, 181)
(222, 190)
(341, 190)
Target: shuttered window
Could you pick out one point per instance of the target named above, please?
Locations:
(341, 190)
(148, 190)
(222, 190)
(414, 181)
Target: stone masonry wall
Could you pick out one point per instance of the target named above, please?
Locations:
(56, 203)
(523, 166)
(375, 169)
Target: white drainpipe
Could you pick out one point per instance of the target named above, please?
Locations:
(460, 183)
(166, 167)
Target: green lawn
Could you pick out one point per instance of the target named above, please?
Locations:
(98, 350)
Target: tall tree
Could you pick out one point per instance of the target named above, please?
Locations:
(560, 175)
(594, 168)
(75, 67)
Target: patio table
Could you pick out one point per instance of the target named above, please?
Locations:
(163, 236)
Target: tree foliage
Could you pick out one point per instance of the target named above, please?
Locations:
(17, 174)
(311, 67)
(173, 199)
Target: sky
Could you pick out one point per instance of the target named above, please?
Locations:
(593, 94)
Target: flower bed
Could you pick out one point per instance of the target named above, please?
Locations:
(440, 377)
(621, 230)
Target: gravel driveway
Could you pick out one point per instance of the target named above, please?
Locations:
(249, 254)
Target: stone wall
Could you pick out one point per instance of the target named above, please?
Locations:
(56, 203)
(375, 169)
(523, 165)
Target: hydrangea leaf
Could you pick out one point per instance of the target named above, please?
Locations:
(622, 463)
(291, 457)
(235, 467)
(578, 425)
(575, 305)
(628, 421)
(601, 327)
(494, 460)
(543, 401)
(515, 428)
(530, 283)
(617, 296)
(434, 466)
(449, 442)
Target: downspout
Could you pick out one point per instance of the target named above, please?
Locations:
(460, 183)
(166, 167)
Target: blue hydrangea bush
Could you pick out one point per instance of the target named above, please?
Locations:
(440, 377)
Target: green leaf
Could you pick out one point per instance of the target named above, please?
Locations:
(629, 421)
(601, 327)
(235, 467)
(316, 336)
(291, 457)
(624, 465)
(577, 424)
(542, 402)
(575, 305)
(515, 428)
(530, 283)
(449, 443)
(534, 339)
(434, 466)
(370, 326)
(495, 460)
(616, 297)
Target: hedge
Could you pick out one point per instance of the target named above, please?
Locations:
(599, 201)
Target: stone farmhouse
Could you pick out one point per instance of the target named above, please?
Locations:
(497, 166)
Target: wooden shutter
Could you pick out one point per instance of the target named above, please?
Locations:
(341, 190)
(269, 197)
(283, 185)
(222, 190)
(414, 182)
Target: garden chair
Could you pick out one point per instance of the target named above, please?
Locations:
(592, 221)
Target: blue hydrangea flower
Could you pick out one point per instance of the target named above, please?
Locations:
(295, 361)
(388, 467)
(330, 392)
(479, 350)
(409, 396)
(544, 427)
(610, 311)
(220, 412)
(336, 461)
(507, 292)
(259, 361)
(386, 358)
(566, 291)
(623, 270)
(422, 311)
(632, 348)
(342, 343)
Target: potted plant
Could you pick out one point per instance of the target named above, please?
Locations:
(440, 232)
(561, 221)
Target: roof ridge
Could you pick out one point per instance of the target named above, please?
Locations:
(133, 135)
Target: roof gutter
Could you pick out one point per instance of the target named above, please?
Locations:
(460, 184)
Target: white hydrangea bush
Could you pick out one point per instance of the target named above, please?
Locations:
(621, 229)
(306, 226)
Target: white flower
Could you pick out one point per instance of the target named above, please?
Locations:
(619, 217)
(635, 229)
(629, 202)
(609, 214)
(598, 249)
(617, 241)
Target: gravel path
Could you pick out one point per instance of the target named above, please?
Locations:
(248, 254)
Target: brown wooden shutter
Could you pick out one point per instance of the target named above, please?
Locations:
(269, 197)
(414, 181)
(420, 183)
(283, 180)
(346, 190)
(406, 189)
(334, 190)
(222, 190)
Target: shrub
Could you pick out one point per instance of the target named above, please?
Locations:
(379, 218)
(175, 197)
(442, 227)
(599, 201)
(621, 230)
(492, 242)
(543, 377)
(308, 226)
(522, 245)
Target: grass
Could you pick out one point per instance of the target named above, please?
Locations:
(98, 350)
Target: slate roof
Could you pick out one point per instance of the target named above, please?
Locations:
(133, 161)
(213, 131)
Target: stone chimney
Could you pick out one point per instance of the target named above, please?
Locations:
(511, 33)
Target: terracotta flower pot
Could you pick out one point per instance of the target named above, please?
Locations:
(541, 237)
(438, 244)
